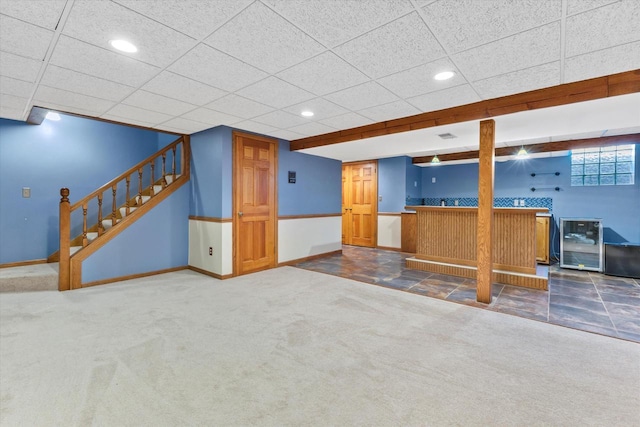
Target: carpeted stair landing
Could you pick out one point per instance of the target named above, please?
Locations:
(28, 278)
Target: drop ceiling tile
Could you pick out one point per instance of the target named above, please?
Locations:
(519, 81)
(70, 99)
(13, 102)
(452, 97)
(579, 6)
(23, 39)
(530, 48)
(320, 107)
(419, 80)
(287, 135)
(347, 121)
(9, 86)
(217, 69)
(43, 13)
(273, 43)
(603, 62)
(19, 67)
(323, 74)
(362, 96)
(311, 129)
(281, 119)
(211, 117)
(335, 22)
(183, 125)
(153, 102)
(178, 87)
(72, 54)
(195, 18)
(275, 93)
(66, 108)
(10, 113)
(602, 28)
(72, 81)
(393, 110)
(461, 25)
(128, 112)
(252, 126)
(157, 44)
(398, 45)
(239, 106)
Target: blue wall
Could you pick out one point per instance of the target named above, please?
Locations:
(74, 152)
(414, 179)
(396, 178)
(156, 241)
(317, 189)
(618, 206)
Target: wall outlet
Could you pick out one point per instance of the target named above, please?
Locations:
(521, 202)
(379, 198)
(210, 250)
(433, 179)
(515, 202)
(455, 203)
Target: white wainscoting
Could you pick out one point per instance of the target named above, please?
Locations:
(389, 231)
(217, 235)
(303, 237)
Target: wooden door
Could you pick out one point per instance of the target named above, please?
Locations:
(254, 203)
(360, 203)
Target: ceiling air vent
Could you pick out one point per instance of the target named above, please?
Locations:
(447, 136)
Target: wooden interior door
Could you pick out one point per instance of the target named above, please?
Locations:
(360, 203)
(254, 203)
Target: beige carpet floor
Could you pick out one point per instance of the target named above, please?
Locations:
(293, 347)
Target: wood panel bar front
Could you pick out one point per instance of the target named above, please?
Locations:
(447, 237)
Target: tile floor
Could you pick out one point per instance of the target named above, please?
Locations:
(582, 300)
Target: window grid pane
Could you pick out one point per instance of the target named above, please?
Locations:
(613, 165)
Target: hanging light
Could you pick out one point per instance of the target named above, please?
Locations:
(522, 153)
(435, 160)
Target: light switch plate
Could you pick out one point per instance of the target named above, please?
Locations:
(26, 192)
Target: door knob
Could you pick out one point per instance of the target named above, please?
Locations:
(239, 213)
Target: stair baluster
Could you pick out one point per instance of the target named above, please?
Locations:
(140, 187)
(114, 216)
(173, 164)
(164, 170)
(100, 225)
(153, 180)
(84, 225)
(126, 211)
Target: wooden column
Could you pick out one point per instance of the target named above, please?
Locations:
(65, 230)
(485, 211)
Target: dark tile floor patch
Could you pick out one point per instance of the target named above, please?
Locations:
(583, 300)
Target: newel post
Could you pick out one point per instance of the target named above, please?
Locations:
(185, 157)
(65, 232)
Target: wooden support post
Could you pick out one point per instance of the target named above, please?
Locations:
(65, 243)
(484, 251)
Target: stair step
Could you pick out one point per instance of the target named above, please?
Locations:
(123, 211)
(74, 249)
(107, 223)
(169, 178)
(38, 277)
(145, 199)
(157, 189)
(92, 236)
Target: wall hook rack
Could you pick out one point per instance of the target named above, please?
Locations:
(545, 173)
(545, 188)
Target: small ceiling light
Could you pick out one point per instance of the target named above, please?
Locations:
(522, 153)
(435, 160)
(123, 46)
(445, 75)
(53, 116)
(307, 113)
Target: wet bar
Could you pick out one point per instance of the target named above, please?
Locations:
(446, 241)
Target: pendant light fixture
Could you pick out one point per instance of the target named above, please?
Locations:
(435, 160)
(522, 153)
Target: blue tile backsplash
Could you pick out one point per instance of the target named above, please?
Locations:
(498, 202)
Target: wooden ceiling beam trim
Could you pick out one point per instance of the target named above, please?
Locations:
(545, 147)
(569, 93)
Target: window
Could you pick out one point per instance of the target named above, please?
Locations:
(613, 165)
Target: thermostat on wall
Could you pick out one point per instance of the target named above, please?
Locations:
(292, 177)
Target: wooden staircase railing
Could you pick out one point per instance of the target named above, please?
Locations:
(89, 210)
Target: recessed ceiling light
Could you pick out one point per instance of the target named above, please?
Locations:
(53, 116)
(445, 75)
(123, 46)
(307, 113)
